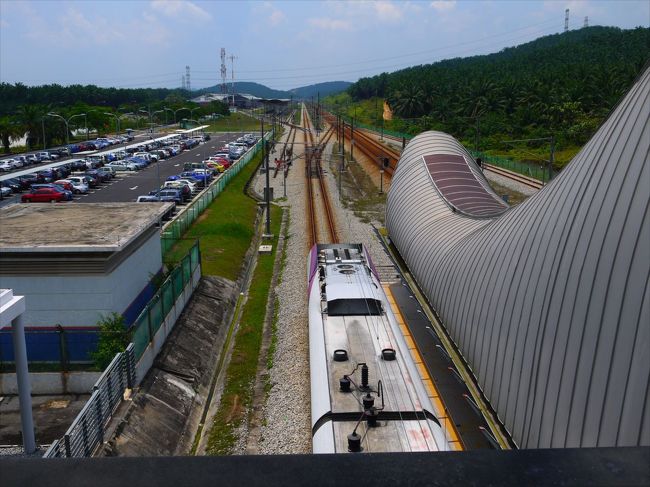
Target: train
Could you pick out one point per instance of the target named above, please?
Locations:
(366, 392)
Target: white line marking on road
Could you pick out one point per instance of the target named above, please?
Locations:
(134, 187)
(176, 165)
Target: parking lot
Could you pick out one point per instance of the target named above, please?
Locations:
(128, 185)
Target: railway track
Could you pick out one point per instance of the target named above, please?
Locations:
(514, 176)
(313, 170)
(376, 152)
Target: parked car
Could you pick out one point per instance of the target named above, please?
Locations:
(30, 179)
(65, 184)
(102, 176)
(16, 185)
(66, 192)
(168, 194)
(185, 190)
(122, 166)
(109, 171)
(44, 195)
(6, 165)
(78, 185)
(44, 156)
(80, 181)
(33, 159)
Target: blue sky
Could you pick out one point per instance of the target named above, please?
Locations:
(284, 44)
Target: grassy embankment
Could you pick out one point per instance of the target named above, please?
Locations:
(236, 122)
(225, 231)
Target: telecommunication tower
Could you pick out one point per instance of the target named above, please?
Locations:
(183, 82)
(187, 79)
(566, 20)
(224, 74)
(232, 72)
(586, 22)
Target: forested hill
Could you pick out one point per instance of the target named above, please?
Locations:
(561, 84)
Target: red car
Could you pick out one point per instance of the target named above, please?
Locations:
(65, 184)
(43, 195)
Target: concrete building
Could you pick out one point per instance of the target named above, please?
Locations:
(76, 263)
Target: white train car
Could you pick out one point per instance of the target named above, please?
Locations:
(366, 393)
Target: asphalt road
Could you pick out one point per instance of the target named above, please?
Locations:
(127, 186)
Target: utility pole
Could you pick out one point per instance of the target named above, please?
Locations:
(267, 196)
(232, 72)
(551, 159)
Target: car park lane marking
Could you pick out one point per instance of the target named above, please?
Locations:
(134, 187)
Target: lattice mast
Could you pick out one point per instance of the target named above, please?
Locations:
(566, 20)
(224, 74)
(187, 79)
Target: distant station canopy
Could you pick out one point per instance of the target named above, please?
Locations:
(549, 301)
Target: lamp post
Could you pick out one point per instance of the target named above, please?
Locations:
(117, 121)
(181, 109)
(167, 110)
(67, 123)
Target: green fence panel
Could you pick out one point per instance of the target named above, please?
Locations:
(156, 311)
(187, 271)
(167, 293)
(194, 256)
(177, 279)
(140, 337)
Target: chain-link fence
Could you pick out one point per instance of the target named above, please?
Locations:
(537, 171)
(173, 230)
(86, 432)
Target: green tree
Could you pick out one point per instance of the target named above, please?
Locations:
(113, 339)
(9, 131)
(31, 119)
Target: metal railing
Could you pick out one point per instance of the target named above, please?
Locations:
(86, 432)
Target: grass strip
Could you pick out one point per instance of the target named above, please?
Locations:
(224, 229)
(240, 376)
(235, 122)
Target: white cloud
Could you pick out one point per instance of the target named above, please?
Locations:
(387, 11)
(179, 9)
(443, 5)
(277, 17)
(327, 23)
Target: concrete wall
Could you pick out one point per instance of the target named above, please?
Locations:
(83, 300)
(51, 383)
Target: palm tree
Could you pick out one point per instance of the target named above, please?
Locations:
(31, 118)
(9, 131)
(409, 101)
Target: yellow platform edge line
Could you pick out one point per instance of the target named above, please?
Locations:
(450, 428)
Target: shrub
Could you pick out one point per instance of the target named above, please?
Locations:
(113, 339)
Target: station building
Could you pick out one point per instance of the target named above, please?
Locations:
(76, 264)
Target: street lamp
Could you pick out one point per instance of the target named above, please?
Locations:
(181, 109)
(67, 123)
(117, 121)
(166, 110)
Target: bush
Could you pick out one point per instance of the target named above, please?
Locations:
(113, 339)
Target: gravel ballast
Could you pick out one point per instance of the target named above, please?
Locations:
(286, 425)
